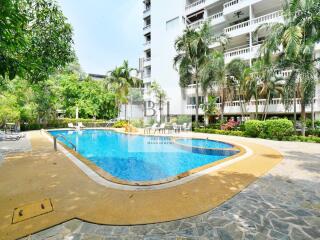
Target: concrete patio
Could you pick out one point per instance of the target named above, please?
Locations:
(283, 204)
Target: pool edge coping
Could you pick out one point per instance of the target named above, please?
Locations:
(104, 178)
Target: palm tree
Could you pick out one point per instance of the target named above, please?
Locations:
(120, 80)
(160, 95)
(238, 74)
(213, 73)
(192, 55)
(119, 84)
(295, 38)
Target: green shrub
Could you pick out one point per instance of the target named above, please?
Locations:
(278, 128)
(181, 119)
(303, 139)
(253, 128)
(120, 124)
(315, 132)
(217, 131)
(138, 123)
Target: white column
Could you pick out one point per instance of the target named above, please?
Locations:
(250, 34)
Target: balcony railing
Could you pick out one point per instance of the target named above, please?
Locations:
(244, 52)
(147, 43)
(254, 23)
(147, 27)
(147, 9)
(212, 18)
(231, 3)
(195, 4)
(148, 59)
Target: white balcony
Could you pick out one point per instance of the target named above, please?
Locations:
(191, 110)
(147, 44)
(147, 29)
(191, 90)
(235, 5)
(252, 25)
(275, 106)
(245, 53)
(147, 61)
(195, 6)
(146, 12)
(214, 19)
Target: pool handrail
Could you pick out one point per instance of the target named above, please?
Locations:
(60, 135)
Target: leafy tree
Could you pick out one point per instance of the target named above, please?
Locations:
(121, 80)
(159, 94)
(35, 39)
(295, 39)
(192, 55)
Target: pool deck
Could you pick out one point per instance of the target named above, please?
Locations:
(42, 173)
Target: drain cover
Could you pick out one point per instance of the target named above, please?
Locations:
(32, 210)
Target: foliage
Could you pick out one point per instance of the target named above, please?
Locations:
(303, 139)
(181, 119)
(210, 107)
(120, 81)
(138, 123)
(61, 123)
(35, 39)
(120, 124)
(278, 128)
(8, 109)
(253, 128)
(222, 132)
(192, 56)
(295, 39)
(311, 132)
(230, 125)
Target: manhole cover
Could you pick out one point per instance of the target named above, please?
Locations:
(32, 210)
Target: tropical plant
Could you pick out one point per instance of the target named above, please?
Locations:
(238, 73)
(35, 40)
(295, 39)
(160, 96)
(192, 56)
(120, 80)
(210, 106)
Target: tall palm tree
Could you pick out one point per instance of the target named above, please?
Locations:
(160, 96)
(295, 38)
(121, 79)
(192, 55)
(238, 73)
(119, 84)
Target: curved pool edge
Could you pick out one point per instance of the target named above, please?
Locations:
(104, 178)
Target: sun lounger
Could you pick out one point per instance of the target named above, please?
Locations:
(161, 128)
(70, 125)
(152, 128)
(80, 125)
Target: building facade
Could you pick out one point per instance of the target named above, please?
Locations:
(165, 20)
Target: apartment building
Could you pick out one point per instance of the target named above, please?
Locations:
(165, 20)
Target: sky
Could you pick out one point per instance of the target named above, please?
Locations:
(105, 32)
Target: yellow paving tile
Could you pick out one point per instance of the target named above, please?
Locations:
(44, 174)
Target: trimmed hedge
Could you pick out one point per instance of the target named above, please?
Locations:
(303, 139)
(271, 129)
(217, 131)
(253, 128)
(278, 128)
(120, 124)
(61, 123)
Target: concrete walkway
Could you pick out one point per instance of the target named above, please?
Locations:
(284, 204)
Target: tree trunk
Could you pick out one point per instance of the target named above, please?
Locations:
(312, 113)
(303, 118)
(295, 111)
(197, 100)
(125, 112)
(266, 107)
(222, 105)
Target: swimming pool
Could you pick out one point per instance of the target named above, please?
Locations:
(135, 158)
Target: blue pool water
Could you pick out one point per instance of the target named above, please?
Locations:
(139, 158)
(203, 143)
